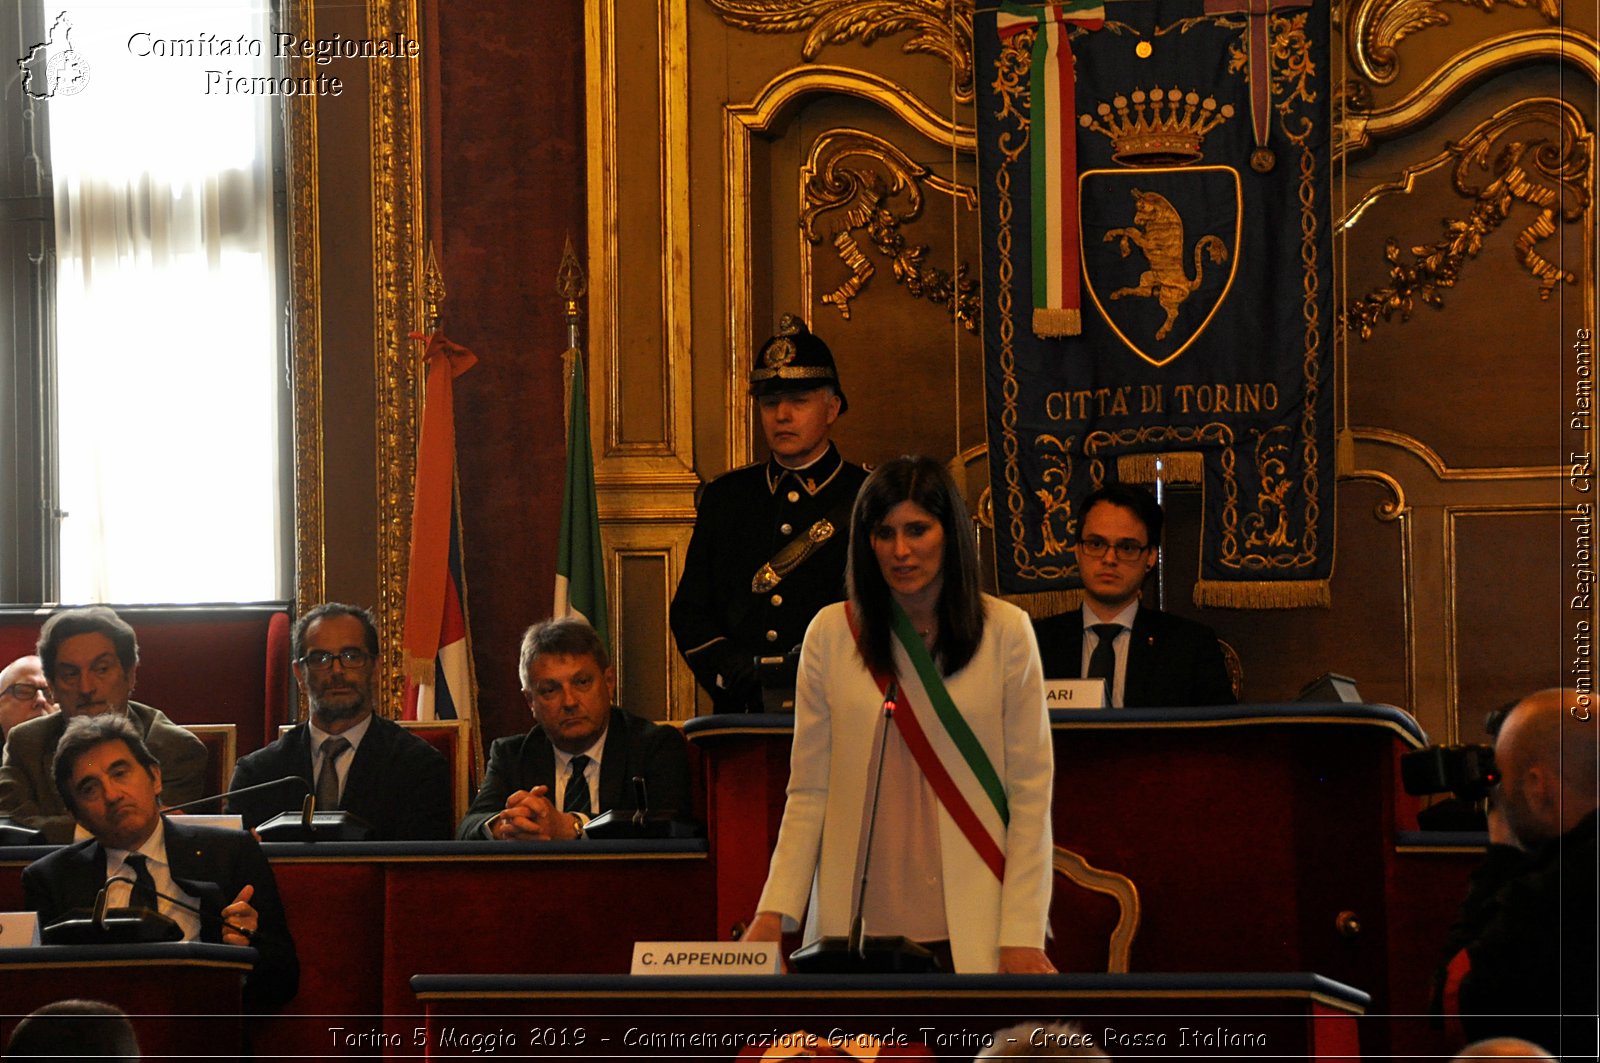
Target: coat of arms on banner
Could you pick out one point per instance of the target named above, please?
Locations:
(1157, 279)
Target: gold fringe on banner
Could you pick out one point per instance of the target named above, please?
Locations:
(1050, 321)
(1264, 594)
(1186, 467)
(1046, 603)
(420, 670)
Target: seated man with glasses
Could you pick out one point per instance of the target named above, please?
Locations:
(351, 758)
(90, 658)
(24, 693)
(1149, 659)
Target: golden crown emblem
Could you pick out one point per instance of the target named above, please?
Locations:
(1161, 126)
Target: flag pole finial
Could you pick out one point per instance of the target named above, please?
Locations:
(572, 284)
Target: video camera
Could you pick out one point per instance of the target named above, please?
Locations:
(1467, 771)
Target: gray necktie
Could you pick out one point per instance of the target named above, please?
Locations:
(576, 798)
(328, 778)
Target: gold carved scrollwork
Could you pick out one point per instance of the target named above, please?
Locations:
(862, 183)
(941, 28)
(1545, 167)
(1376, 27)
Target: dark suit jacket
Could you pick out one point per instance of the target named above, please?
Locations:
(634, 746)
(208, 863)
(397, 782)
(1172, 662)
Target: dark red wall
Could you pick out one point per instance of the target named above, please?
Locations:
(507, 173)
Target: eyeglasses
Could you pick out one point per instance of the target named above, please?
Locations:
(1125, 549)
(26, 691)
(322, 660)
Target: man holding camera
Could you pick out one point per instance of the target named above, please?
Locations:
(1521, 954)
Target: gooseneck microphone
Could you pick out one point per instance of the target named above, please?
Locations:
(857, 940)
(274, 784)
(249, 935)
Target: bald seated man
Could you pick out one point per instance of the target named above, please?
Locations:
(24, 693)
(1504, 1048)
(1520, 961)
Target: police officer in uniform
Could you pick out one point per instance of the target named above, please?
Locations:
(770, 539)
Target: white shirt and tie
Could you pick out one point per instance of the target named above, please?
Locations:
(119, 894)
(340, 755)
(1117, 682)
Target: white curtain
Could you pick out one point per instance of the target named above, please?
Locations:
(167, 310)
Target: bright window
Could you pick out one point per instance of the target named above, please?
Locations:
(169, 315)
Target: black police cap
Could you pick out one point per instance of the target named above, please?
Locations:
(795, 360)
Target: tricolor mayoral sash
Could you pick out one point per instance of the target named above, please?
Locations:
(1173, 157)
(948, 753)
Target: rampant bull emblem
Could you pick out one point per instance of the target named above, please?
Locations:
(1157, 229)
(1156, 291)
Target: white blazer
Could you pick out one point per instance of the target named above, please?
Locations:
(1001, 695)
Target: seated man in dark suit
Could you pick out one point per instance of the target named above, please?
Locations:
(583, 751)
(91, 658)
(215, 884)
(1150, 659)
(369, 766)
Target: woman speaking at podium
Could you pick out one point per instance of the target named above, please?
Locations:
(946, 683)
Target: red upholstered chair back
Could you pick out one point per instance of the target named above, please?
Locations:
(222, 750)
(1094, 914)
(453, 738)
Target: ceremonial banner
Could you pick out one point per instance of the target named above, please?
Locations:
(580, 562)
(440, 682)
(1194, 208)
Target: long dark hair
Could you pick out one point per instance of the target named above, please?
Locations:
(960, 607)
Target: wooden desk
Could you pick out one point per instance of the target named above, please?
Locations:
(184, 998)
(1244, 1016)
(1260, 837)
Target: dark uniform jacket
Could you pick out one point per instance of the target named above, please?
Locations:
(1172, 662)
(634, 746)
(397, 782)
(720, 622)
(208, 863)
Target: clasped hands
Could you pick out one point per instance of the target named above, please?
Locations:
(530, 816)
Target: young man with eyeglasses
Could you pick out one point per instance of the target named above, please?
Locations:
(91, 660)
(24, 693)
(1150, 659)
(350, 757)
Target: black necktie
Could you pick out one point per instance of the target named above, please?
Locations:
(1103, 661)
(577, 795)
(143, 894)
(328, 778)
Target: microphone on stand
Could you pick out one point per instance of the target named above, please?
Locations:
(99, 915)
(112, 926)
(249, 935)
(857, 953)
(274, 784)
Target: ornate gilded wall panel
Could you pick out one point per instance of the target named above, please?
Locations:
(852, 198)
(325, 319)
(1469, 251)
(305, 281)
(641, 316)
(398, 310)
